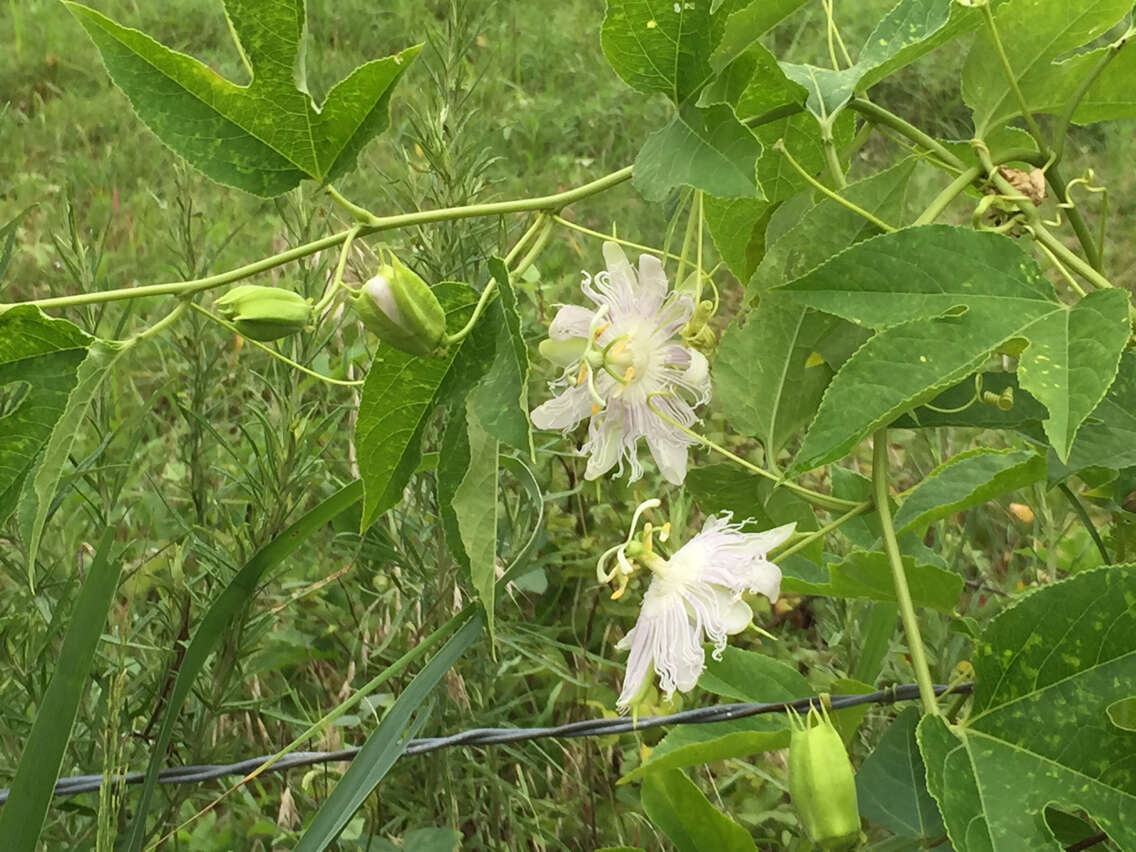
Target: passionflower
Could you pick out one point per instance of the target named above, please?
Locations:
(695, 596)
(627, 370)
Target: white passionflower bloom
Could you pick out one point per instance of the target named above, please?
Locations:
(625, 364)
(695, 596)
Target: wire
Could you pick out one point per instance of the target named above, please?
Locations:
(493, 736)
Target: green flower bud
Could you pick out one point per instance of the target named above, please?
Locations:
(264, 313)
(401, 309)
(821, 783)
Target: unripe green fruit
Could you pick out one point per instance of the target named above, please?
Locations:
(821, 783)
(264, 313)
(401, 309)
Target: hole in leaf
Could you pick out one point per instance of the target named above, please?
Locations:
(1122, 713)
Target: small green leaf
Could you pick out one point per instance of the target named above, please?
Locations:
(8, 240)
(828, 90)
(746, 25)
(501, 397)
(680, 810)
(967, 479)
(40, 489)
(1034, 36)
(263, 137)
(945, 299)
(890, 785)
(475, 509)
(754, 84)
(748, 676)
(398, 396)
(384, 746)
(1108, 438)
(22, 816)
(1046, 671)
(737, 227)
(43, 354)
(703, 147)
(863, 574)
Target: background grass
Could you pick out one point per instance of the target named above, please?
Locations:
(203, 450)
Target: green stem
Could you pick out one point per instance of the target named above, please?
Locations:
(835, 196)
(899, 577)
(359, 214)
(1062, 128)
(538, 246)
(548, 203)
(532, 230)
(832, 160)
(560, 220)
(277, 355)
(1031, 123)
(824, 501)
(858, 509)
(954, 189)
(1086, 521)
(878, 115)
(158, 327)
(337, 279)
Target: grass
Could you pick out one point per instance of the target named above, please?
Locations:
(202, 450)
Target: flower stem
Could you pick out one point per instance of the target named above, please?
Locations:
(858, 509)
(158, 327)
(955, 188)
(547, 203)
(337, 279)
(878, 115)
(899, 577)
(824, 501)
(277, 355)
(360, 214)
(542, 238)
(560, 220)
(835, 196)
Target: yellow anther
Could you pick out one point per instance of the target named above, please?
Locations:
(596, 334)
(582, 374)
(629, 375)
(623, 581)
(618, 347)
(665, 531)
(648, 544)
(595, 409)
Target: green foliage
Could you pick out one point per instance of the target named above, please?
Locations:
(966, 480)
(687, 818)
(864, 574)
(943, 299)
(1046, 670)
(44, 355)
(890, 785)
(474, 505)
(23, 814)
(263, 137)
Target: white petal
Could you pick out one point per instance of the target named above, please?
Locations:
(669, 455)
(571, 321)
(738, 617)
(605, 441)
(652, 284)
(766, 540)
(563, 411)
(765, 579)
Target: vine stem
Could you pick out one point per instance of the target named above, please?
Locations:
(858, 509)
(1086, 521)
(824, 501)
(878, 115)
(547, 203)
(954, 189)
(899, 576)
(337, 279)
(779, 146)
(349, 383)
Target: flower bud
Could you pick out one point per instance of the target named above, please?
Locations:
(821, 783)
(401, 309)
(264, 313)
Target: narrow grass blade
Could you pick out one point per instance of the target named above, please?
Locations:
(216, 619)
(384, 746)
(22, 817)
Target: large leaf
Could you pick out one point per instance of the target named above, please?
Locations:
(1034, 34)
(475, 509)
(765, 373)
(965, 480)
(1046, 671)
(398, 396)
(37, 496)
(263, 137)
(956, 406)
(214, 624)
(674, 804)
(704, 147)
(384, 746)
(1108, 439)
(501, 397)
(746, 25)
(728, 488)
(867, 575)
(657, 46)
(890, 786)
(40, 357)
(945, 298)
(22, 815)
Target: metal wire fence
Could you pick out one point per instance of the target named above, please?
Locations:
(494, 736)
